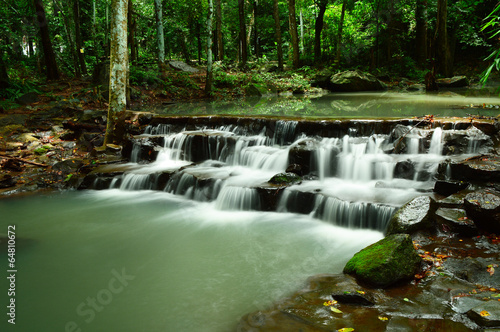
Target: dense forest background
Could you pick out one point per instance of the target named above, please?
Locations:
(54, 39)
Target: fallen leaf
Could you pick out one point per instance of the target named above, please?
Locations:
(335, 310)
(491, 270)
(360, 292)
(383, 318)
(346, 329)
(484, 313)
(406, 299)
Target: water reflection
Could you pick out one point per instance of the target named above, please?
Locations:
(388, 104)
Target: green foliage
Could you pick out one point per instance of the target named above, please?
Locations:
(18, 88)
(493, 23)
(144, 77)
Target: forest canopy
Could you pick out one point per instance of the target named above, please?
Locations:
(47, 39)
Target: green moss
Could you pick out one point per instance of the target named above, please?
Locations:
(383, 263)
(40, 150)
(285, 179)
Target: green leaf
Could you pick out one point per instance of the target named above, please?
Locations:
(335, 310)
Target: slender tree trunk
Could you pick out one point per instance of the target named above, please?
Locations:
(442, 45)
(301, 23)
(293, 33)
(277, 28)
(318, 27)
(339, 33)
(78, 37)
(4, 76)
(198, 37)
(131, 33)
(209, 79)
(51, 69)
(218, 28)
(250, 29)
(255, 28)
(243, 40)
(118, 71)
(421, 31)
(160, 37)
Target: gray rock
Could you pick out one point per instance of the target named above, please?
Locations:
(456, 221)
(483, 207)
(453, 82)
(416, 215)
(486, 314)
(182, 66)
(474, 270)
(355, 81)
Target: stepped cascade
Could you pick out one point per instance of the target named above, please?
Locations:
(352, 173)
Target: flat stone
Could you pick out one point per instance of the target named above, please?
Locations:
(486, 314)
(416, 215)
(483, 207)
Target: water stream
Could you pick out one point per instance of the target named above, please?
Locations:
(176, 246)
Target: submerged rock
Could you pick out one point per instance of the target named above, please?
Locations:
(416, 215)
(386, 262)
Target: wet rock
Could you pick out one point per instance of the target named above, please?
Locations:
(404, 170)
(322, 79)
(469, 141)
(68, 165)
(416, 215)
(475, 270)
(453, 82)
(285, 179)
(447, 188)
(486, 314)
(456, 221)
(12, 165)
(483, 207)
(294, 168)
(481, 168)
(386, 262)
(300, 201)
(354, 81)
(303, 154)
(182, 66)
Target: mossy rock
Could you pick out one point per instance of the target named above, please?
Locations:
(385, 262)
(40, 150)
(285, 179)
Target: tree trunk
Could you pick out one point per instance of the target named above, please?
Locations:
(301, 23)
(51, 69)
(421, 31)
(78, 37)
(255, 28)
(209, 79)
(277, 27)
(118, 71)
(293, 34)
(318, 27)
(4, 76)
(243, 40)
(339, 33)
(441, 43)
(160, 36)
(131, 33)
(218, 28)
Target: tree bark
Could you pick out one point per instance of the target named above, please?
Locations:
(318, 27)
(277, 27)
(51, 69)
(243, 40)
(441, 42)
(421, 32)
(78, 37)
(293, 34)
(218, 28)
(118, 71)
(209, 79)
(131, 33)
(339, 33)
(160, 37)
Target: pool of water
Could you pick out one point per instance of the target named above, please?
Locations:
(389, 104)
(150, 261)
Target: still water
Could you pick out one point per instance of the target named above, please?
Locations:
(150, 261)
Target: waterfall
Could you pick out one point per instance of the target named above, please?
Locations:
(436, 146)
(238, 198)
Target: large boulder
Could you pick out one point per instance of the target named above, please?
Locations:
(354, 81)
(385, 262)
(453, 82)
(182, 66)
(483, 207)
(416, 215)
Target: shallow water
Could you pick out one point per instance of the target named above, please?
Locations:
(152, 261)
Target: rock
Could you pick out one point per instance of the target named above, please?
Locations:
(322, 79)
(385, 262)
(453, 82)
(354, 81)
(286, 179)
(479, 168)
(28, 98)
(182, 66)
(12, 165)
(418, 87)
(486, 314)
(447, 188)
(303, 153)
(456, 221)
(483, 207)
(405, 170)
(474, 270)
(416, 215)
(294, 168)
(68, 166)
(256, 89)
(7, 181)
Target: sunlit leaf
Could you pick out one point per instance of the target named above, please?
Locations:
(346, 329)
(335, 310)
(484, 313)
(383, 318)
(361, 292)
